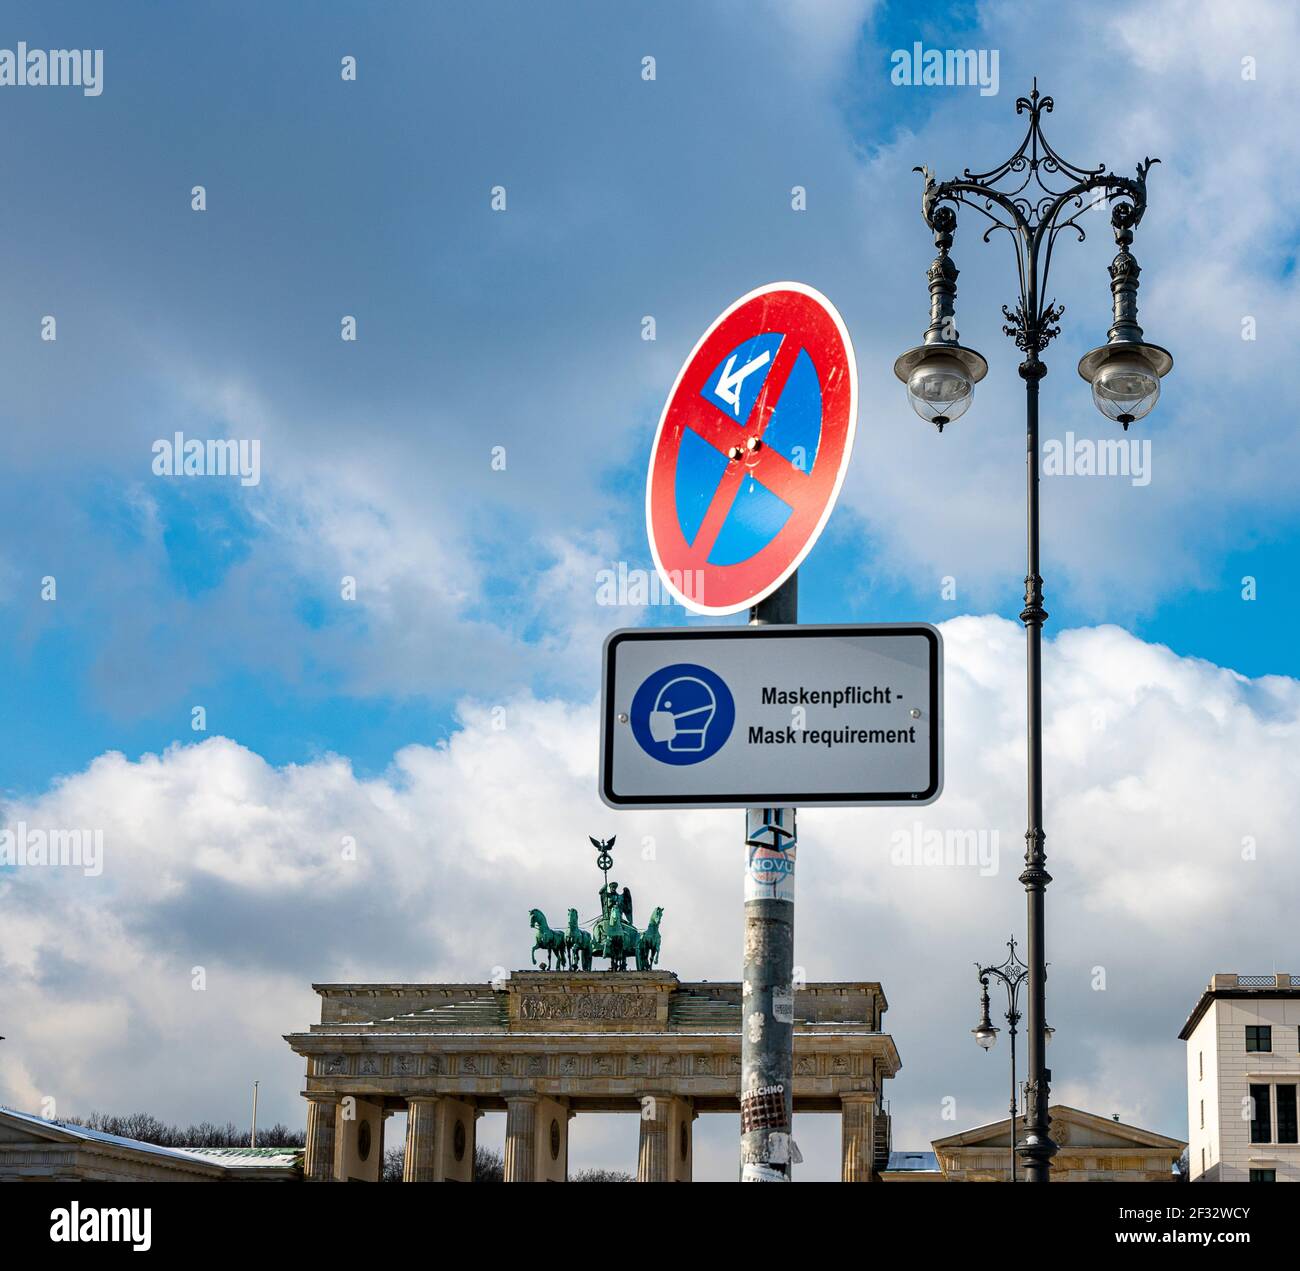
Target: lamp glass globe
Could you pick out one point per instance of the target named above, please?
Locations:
(1125, 388)
(940, 389)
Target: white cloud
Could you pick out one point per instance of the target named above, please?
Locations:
(1158, 767)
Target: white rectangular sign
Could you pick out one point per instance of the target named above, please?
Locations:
(772, 716)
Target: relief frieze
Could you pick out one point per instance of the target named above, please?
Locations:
(594, 1006)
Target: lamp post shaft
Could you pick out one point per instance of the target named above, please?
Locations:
(1036, 1148)
(1012, 1036)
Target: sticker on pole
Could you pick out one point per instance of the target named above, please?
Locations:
(751, 449)
(771, 845)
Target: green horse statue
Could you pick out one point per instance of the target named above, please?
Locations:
(550, 941)
(615, 939)
(578, 943)
(647, 947)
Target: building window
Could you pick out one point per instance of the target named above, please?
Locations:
(1200, 1065)
(1261, 1118)
(1202, 1114)
(1202, 1160)
(1263, 1176)
(1259, 1038)
(1286, 1119)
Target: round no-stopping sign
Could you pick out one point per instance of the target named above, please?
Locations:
(752, 448)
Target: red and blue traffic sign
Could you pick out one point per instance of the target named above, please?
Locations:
(752, 448)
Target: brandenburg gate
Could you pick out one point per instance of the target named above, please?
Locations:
(545, 1046)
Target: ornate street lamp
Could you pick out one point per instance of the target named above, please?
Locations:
(1012, 973)
(939, 373)
(1034, 195)
(985, 1032)
(1125, 372)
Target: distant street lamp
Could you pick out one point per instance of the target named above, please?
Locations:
(1125, 375)
(1012, 973)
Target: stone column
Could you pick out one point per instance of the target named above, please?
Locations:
(857, 1137)
(318, 1160)
(665, 1154)
(439, 1140)
(521, 1139)
(421, 1141)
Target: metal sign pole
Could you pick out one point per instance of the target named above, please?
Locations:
(767, 991)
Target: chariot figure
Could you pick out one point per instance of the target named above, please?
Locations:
(612, 903)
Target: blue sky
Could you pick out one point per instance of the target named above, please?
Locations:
(371, 198)
(522, 329)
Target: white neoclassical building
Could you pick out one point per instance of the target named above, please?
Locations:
(1243, 1075)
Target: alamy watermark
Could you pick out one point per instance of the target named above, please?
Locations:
(934, 848)
(216, 457)
(946, 67)
(25, 847)
(101, 1224)
(1098, 457)
(53, 68)
(641, 587)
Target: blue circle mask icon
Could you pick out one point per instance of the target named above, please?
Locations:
(682, 714)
